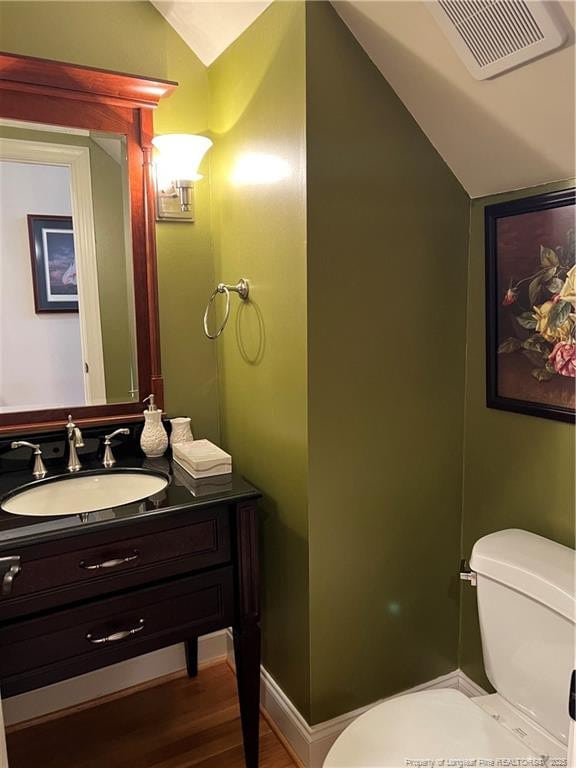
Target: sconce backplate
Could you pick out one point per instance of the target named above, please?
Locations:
(168, 205)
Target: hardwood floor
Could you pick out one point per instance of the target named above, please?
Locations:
(178, 724)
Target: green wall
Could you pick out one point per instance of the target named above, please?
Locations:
(133, 37)
(115, 293)
(387, 248)
(518, 470)
(258, 92)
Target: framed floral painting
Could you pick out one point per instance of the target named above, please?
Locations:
(531, 305)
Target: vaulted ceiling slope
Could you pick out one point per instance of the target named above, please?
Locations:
(513, 131)
(510, 132)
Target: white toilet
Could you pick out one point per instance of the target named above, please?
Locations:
(526, 605)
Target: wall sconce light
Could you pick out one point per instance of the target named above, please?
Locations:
(179, 155)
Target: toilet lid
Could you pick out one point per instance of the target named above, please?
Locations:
(427, 726)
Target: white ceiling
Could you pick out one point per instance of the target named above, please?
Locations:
(210, 27)
(511, 132)
(514, 131)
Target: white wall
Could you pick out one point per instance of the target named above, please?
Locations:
(40, 355)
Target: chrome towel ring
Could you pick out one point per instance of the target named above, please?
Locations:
(241, 288)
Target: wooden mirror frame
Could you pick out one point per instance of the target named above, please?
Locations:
(57, 93)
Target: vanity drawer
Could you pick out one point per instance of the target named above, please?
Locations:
(108, 565)
(37, 652)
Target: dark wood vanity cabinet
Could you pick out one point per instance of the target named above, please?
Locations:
(81, 602)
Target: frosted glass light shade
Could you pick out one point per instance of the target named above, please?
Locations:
(181, 154)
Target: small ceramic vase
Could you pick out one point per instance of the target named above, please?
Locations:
(181, 431)
(154, 439)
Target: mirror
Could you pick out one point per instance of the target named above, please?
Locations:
(78, 285)
(67, 324)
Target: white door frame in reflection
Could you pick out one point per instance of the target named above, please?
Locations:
(77, 159)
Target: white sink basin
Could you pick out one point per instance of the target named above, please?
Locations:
(76, 494)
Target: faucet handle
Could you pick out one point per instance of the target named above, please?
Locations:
(24, 444)
(74, 430)
(109, 460)
(123, 431)
(39, 471)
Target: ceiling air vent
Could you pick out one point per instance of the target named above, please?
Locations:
(492, 36)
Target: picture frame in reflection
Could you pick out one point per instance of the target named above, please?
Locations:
(53, 263)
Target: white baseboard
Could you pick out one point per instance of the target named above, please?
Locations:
(110, 680)
(311, 744)
(285, 717)
(468, 686)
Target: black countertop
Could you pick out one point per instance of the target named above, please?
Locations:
(182, 491)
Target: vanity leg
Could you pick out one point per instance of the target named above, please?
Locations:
(191, 648)
(247, 628)
(247, 657)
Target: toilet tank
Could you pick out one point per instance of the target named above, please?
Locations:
(526, 606)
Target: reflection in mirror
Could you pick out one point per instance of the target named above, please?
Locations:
(67, 328)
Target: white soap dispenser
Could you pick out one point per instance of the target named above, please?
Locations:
(154, 439)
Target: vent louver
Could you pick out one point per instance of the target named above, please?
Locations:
(492, 36)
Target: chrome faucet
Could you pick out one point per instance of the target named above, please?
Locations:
(39, 471)
(74, 439)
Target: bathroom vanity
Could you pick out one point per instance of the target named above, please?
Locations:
(98, 588)
(82, 591)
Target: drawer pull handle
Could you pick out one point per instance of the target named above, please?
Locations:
(116, 636)
(114, 563)
(11, 567)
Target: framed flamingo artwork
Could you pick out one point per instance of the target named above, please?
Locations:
(53, 263)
